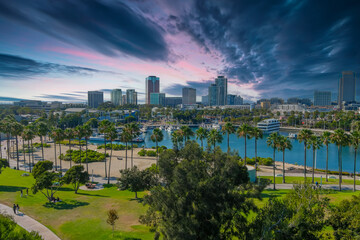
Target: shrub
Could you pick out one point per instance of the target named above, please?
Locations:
(116, 147)
(151, 153)
(142, 152)
(38, 145)
(10, 230)
(93, 156)
(73, 142)
(261, 161)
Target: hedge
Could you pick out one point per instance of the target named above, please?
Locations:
(93, 156)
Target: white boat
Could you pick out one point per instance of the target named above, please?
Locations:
(269, 126)
(170, 129)
(215, 126)
(161, 128)
(292, 135)
(143, 130)
(97, 137)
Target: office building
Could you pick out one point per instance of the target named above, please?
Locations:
(265, 104)
(205, 100)
(116, 97)
(188, 96)
(95, 98)
(347, 87)
(221, 85)
(131, 97)
(157, 99)
(238, 100)
(152, 85)
(234, 100)
(212, 95)
(124, 99)
(173, 101)
(322, 98)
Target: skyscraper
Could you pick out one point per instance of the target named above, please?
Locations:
(157, 99)
(152, 85)
(347, 87)
(188, 96)
(131, 96)
(221, 84)
(95, 98)
(322, 98)
(116, 97)
(212, 95)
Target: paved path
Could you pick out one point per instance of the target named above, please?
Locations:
(324, 186)
(29, 223)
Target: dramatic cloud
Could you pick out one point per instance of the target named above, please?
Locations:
(201, 88)
(15, 67)
(108, 27)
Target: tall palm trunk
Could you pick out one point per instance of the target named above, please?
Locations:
(305, 162)
(29, 156)
(256, 159)
(228, 143)
(60, 158)
(327, 162)
(340, 163)
(157, 153)
(70, 153)
(32, 151)
(355, 170)
(105, 154)
(283, 166)
(0, 147)
(42, 147)
(126, 148)
(17, 153)
(55, 155)
(86, 155)
(245, 150)
(313, 167)
(274, 168)
(80, 150)
(23, 147)
(110, 162)
(132, 152)
(202, 145)
(8, 147)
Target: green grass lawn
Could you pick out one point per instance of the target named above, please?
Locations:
(79, 216)
(301, 180)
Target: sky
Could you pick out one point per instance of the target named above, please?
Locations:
(59, 50)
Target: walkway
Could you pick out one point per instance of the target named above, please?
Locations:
(28, 223)
(324, 186)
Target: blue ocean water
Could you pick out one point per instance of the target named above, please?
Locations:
(295, 156)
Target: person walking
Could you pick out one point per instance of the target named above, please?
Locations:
(27, 191)
(14, 208)
(21, 193)
(18, 208)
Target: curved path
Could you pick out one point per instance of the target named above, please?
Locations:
(28, 223)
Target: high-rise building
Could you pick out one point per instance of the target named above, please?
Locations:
(221, 84)
(95, 98)
(173, 101)
(152, 85)
(124, 100)
(188, 96)
(347, 87)
(157, 99)
(238, 100)
(230, 99)
(131, 96)
(205, 100)
(212, 95)
(116, 97)
(322, 98)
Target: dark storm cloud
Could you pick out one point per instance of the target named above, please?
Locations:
(280, 46)
(10, 99)
(108, 27)
(62, 98)
(201, 88)
(16, 67)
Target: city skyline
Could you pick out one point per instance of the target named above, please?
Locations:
(259, 50)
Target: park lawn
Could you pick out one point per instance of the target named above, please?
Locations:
(292, 180)
(79, 216)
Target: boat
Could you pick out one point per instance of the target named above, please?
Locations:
(170, 129)
(97, 137)
(268, 126)
(292, 135)
(138, 140)
(143, 129)
(216, 126)
(161, 128)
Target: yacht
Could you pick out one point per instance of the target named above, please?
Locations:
(97, 137)
(216, 126)
(143, 129)
(269, 126)
(138, 140)
(292, 135)
(170, 129)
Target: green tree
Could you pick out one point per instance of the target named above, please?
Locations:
(3, 164)
(257, 134)
(69, 134)
(87, 132)
(355, 142)
(48, 183)
(103, 128)
(126, 138)
(201, 134)
(228, 129)
(157, 136)
(187, 132)
(58, 136)
(16, 130)
(315, 143)
(1, 131)
(340, 139)
(27, 135)
(112, 217)
(76, 176)
(326, 139)
(134, 132)
(7, 128)
(284, 143)
(243, 131)
(305, 136)
(79, 133)
(273, 142)
(42, 131)
(41, 167)
(176, 139)
(112, 135)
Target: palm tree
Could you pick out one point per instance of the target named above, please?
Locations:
(28, 135)
(243, 131)
(273, 141)
(355, 142)
(304, 136)
(104, 125)
(315, 144)
(284, 143)
(87, 132)
(60, 137)
(112, 135)
(33, 135)
(42, 130)
(69, 134)
(340, 138)
(187, 132)
(17, 129)
(7, 122)
(1, 131)
(256, 133)
(79, 133)
(214, 137)
(326, 139)
(134, 132)
(157, 137)
(228, 129)
(201, 134)
(57, 135)
(126, 138)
